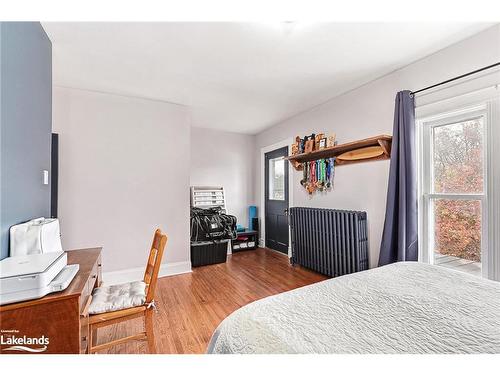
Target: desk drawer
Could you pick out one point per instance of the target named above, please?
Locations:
(84, 326)
(89, 285)
(99, 271)
(92, 283)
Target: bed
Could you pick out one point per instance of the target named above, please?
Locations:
(406, 307)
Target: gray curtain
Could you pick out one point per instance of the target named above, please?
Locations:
(399, 239)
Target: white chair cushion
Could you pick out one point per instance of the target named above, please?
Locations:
(117, 297)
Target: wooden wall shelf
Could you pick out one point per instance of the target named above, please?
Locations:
(384, 141)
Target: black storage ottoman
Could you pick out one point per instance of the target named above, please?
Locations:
(208, 252)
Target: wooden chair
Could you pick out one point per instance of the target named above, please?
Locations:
(146, 310)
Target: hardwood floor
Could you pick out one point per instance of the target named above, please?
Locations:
(191, 306)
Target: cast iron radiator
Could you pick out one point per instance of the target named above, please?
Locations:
(331, 242)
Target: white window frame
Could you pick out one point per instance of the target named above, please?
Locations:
(271, 184)
(425, 128)
(446, 102)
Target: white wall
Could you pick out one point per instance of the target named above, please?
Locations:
(123, 172)
(220, 158)
(368, 111)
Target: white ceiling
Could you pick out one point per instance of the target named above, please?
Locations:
(241, 77)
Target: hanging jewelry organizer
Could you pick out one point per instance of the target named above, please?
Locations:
(317, 155)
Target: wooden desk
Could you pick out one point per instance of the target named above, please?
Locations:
(61, 317)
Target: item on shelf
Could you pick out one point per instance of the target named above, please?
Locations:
(330, 141)
(309, 143)
(240, 228)
(296, 148)
(255, 224)
(322, 143)
(252, 214)
(309, 146)
(302, 145)
(362, 153)
(317, 140)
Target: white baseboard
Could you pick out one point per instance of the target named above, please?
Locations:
(262, 243)
(134, 274)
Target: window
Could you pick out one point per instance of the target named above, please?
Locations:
(277, 179)
(453, 200)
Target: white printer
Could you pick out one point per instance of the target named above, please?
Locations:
(37, 266)
(33, 276)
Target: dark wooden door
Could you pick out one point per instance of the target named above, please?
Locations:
(276, 199)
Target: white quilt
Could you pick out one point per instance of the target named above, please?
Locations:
(404, 307)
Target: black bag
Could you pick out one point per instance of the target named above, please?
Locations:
(211, 224)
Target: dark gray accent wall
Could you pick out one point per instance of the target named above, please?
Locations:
(25, 124)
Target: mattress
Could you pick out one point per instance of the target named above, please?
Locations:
(405, 307)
